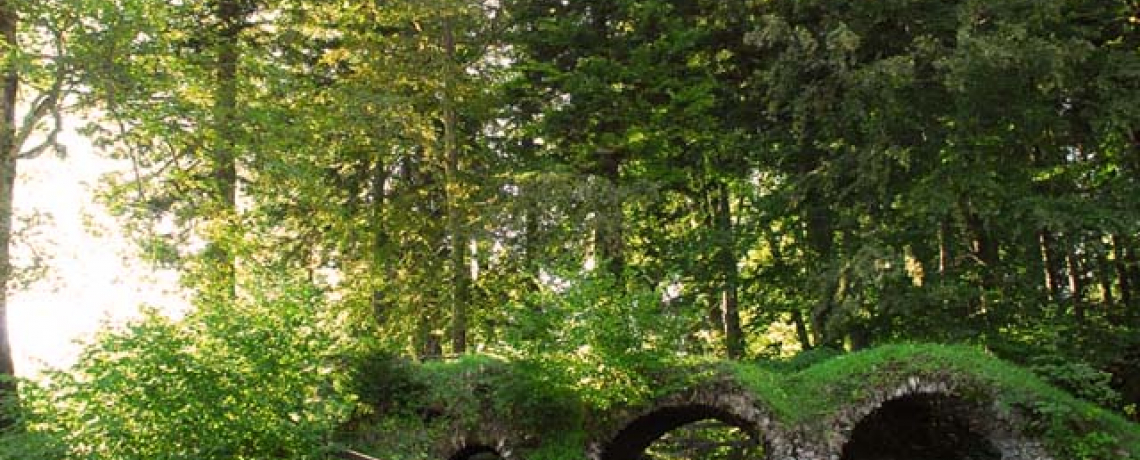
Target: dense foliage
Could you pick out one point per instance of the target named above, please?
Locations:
(590, 189)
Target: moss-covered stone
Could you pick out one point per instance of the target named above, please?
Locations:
(529, 409)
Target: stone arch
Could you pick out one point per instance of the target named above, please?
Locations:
(925, 415)
(731, 406)
(490, 440)
(476, 452)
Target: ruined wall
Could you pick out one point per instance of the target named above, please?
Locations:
(902, 404)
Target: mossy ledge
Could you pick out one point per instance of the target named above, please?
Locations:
(528, 409)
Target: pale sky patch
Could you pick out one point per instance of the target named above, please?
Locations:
(94, 276)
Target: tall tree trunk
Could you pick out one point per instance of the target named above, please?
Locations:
(231, 18)
(10, 151)
(729, 274)
(460, 272)
(380, 268)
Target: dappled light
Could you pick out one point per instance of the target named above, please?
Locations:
(706, 440)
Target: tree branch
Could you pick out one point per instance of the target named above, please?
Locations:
(47, 103)
(51, 142)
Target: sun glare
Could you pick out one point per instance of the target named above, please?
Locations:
(93, 277)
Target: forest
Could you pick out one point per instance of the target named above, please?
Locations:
(583, 185)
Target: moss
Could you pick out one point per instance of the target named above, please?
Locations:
(550, 416)
(1058, 418)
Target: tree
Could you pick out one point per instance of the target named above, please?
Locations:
(173, 103)
(641, 99)
(369, 126)
(942, 161)
(39, 74)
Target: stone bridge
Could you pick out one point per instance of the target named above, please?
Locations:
(913, 402)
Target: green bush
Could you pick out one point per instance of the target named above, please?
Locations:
(29, 434)
(1080, 379)
(384, 382)
(249, 380)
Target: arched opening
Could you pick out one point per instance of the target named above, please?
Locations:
(476, 452)
(921, 426)
(688, 432)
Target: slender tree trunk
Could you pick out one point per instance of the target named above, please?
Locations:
(1104, 277)
(730, 276)
(985, 247)
(1131, 267)
(1121, 266)
(985, 250)
(801, 330)
(1128, 268)
(10, 151)
(428, 341)
(1053, 265)
(380, 265)
(949, 245)
(1076, 287)
(460, 272)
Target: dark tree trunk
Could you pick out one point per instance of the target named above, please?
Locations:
(608, 232)
(801, 330)
(1122, 276)
(1052, 261)
(821, 241)
(10, 152)
(820, 236)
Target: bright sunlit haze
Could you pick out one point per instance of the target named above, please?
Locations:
(93, 277)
